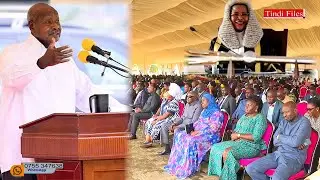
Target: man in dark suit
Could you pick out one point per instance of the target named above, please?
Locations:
(201, 90)
(240, 111)
(142, 96)
(227, 102)
(272, 109)
(313, 93)
(239, 95)
(150, 108)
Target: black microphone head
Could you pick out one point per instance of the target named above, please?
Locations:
(97, 50)
(193, 29)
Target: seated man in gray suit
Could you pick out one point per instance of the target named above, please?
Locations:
(227, 102)
(272, 109)
(191, 114)
(150, 108)
(289, 158)
(142, 96)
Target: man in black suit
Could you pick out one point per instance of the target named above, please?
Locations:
(313, 93)
(150, 108)
(226, 101)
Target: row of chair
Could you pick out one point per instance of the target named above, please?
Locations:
(267, 138)
(304, 91)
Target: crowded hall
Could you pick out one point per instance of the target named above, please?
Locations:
(238, 107)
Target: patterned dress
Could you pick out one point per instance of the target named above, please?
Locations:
(240, 149)
(173, 108)
(188, 151)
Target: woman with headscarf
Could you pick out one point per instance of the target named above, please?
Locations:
(246, 142)
(169, 110)
(189, 149)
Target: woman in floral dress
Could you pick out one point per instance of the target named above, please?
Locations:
(189, 149)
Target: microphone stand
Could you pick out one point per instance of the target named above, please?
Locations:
(107, 55)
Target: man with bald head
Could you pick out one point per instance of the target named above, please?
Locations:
(38, 78)
(190, 115)
(291, 136)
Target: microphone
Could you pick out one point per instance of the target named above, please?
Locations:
(85, 57)
(89, 45)
(194, 30)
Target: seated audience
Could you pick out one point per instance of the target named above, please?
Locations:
(201, 90)
(226, 101)
(191, 114)
(240, 111)
(148, 109)
(164, 89)
(313, 93)
(257, 91)
(283, 97)
(239, 95)
(313, 115)
(187, 89)
(142, 95)
(246, 142)
(290, 156)
(272, 108)
(194, 85)
(189, 149)
(168, 112)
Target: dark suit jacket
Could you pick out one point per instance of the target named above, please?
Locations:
(152, 104)
(277, 116)
(229, 104)
(141, 98)
(307, 97)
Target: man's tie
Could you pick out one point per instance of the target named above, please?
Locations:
(271, 105)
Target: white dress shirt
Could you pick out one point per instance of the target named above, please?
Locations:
(270, 111)
(264, 96)
(29, 93)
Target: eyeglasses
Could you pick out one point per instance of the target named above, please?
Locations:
(310, 109)
(240, 14)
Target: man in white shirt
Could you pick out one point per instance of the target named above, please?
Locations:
(272, 109)
(38, 79)
(187, 89)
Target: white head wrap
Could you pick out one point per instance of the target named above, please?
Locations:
(227, 34)
(175, 91)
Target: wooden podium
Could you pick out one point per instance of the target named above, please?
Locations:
(91, 146)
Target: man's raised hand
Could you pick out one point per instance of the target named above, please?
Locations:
(54, 56)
